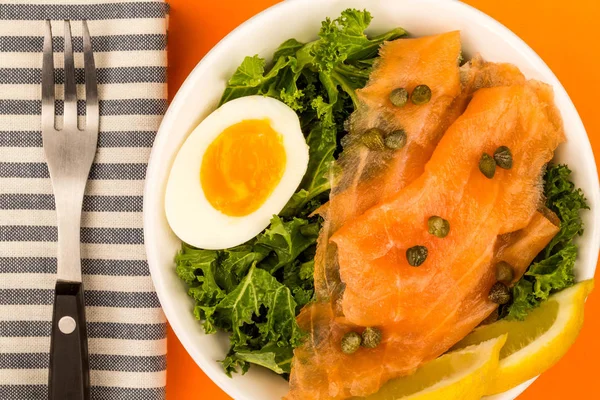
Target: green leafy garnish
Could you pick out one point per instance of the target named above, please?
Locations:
(254, 291)
(286, 240)
(259, 311)
(553, 268)
(198, 268)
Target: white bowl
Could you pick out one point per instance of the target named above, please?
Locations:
(261, 35)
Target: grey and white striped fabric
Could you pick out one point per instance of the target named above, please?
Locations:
(126, 327)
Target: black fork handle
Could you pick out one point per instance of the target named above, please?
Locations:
(69, 364)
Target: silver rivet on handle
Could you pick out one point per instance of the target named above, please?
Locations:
(67, 325)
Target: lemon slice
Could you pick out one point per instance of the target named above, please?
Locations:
(461, 375)
(538, 342)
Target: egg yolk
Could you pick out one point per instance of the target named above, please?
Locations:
(242, 167)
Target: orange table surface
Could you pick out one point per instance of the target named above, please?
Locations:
(564, 33)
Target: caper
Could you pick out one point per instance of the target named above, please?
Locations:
(504, 272)
(421, 95)
(499, 293)
(487, 165)
(371, 337)
(399, 97)
(493, 317)
(416, 255)
(351, 342)
(396, 140)
(373, 139)
(438, 226)
(503, 157)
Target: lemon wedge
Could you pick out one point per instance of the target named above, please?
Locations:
(538, 342)
(463, 374)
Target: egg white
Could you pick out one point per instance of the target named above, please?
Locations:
(191, 216)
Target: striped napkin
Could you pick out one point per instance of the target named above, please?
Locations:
(126, 327)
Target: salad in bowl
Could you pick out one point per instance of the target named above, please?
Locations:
(377, 215)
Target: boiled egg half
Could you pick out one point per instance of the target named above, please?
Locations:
(236, 170)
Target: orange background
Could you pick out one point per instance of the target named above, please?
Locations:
(564, 33)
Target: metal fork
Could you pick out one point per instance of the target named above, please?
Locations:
(69, 153)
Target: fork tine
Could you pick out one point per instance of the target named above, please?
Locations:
(70, 116)
(48, 80)
(91, 88)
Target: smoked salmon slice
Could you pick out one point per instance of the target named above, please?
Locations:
(543, 227)
(422, 311)
(320, 368)
(521, 117)
(370, 177)
(369, 173)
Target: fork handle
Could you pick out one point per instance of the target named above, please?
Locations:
(69, 364)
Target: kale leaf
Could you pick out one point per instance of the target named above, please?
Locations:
(287, 240)
(255, 291)
(553, 269)
(262, 301)
(198, 268)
